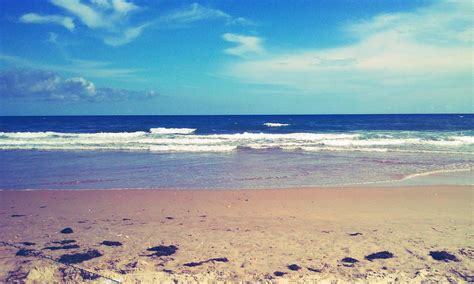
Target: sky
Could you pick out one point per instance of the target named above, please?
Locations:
(146, 57)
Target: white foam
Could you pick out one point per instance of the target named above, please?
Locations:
(163, 130)
(275, 124)
(464, 139)
(183, 139)
(287, 136)
(191, 148)
(50, 134)
(434, 172)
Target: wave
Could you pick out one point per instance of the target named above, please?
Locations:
(184, 140)
(50, 134)
(466, 168)
(275, 124)
(162, 130)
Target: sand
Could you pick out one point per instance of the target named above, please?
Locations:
(246, 235)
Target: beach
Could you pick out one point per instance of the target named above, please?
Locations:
(236, 141)
(358, 234)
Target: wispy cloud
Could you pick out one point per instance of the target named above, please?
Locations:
(427, 51)
(93, 69)
(46, 85)
(101, 14)
(33, 18)
(127, 36)
(245, 44)
(110, 19)
(53, 38)
(196, 12)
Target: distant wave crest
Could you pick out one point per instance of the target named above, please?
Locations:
(275, 124)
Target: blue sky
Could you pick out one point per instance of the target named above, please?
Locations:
(61, 57)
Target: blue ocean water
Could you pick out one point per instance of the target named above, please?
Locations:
(226, 152)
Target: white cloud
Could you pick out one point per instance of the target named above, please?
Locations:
(119, 6)
(93, 69)
(123, 7)
(110, 18)
(33, 18)
(86, 14)
(46, 85)
(196, 12)
(128, 35)
(245, 44)
(101, 14)
(426, 51)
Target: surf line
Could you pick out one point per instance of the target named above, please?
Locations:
(39, 254)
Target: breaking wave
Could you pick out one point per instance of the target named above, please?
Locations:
(185, 140)
(162, 130)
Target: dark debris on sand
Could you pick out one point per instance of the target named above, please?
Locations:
(379, 255)
(66, 231)
(62, 247)
(17, 215)
(26, 252)
(28, 244)
(218, 259)
(349, 260)
(355, 234)
(294, 267)
(86, 275)
(162, 250)
(64, 242)
(317, 270)
(79, 257)
(279, 273)
(443, 256)
(111, 243)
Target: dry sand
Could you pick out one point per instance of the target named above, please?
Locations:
(259, 232)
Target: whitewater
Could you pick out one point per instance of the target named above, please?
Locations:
(163, 139)
(234, 152)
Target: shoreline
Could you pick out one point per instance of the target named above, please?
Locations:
(242, 234)
(252, 169)
(376, 185)
(439, 177)
(417, 179)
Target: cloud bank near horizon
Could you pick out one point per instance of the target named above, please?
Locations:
(426, 51)
(46, 85)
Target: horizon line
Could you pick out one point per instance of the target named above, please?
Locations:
(288, 114)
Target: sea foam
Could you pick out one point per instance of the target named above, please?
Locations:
(185, 140)
(162, 130)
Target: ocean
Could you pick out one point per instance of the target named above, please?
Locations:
(232, 152)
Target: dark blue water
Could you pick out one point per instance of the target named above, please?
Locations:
(231, 152)
(240, 123)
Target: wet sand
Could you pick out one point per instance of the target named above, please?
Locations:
(347, 234)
